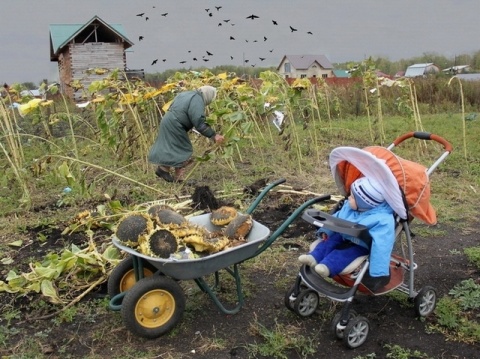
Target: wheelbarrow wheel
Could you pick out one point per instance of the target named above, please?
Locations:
(425, 301)
(356, 332)
(153, 306)
(337, 332)
(306, 303)
(122, 277)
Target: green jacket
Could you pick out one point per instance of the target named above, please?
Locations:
(172, 146)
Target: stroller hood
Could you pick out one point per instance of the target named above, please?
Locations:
(349, 163)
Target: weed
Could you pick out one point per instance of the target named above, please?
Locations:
(397, 352)
(473, 255)
(457, 316)
(468, 294)
(277, 342)
(401, 298)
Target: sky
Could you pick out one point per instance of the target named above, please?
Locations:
(342, 30)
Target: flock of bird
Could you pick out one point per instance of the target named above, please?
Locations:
(214, 14)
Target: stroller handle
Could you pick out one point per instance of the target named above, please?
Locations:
(424, 136)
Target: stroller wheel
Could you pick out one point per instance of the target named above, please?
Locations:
(289, 299)
(338, 332)
(425, 301)
(356, 332)
(306, 303)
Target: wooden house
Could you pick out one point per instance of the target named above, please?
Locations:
(305, 66)
(80, 49)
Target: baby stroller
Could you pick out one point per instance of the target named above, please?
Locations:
(407, 190)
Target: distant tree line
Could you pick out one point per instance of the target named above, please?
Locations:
(382, 63)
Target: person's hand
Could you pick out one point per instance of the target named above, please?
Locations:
(219, 138)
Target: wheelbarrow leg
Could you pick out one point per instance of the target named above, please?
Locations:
(207, 289)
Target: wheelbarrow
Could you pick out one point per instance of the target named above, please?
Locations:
(146, 290)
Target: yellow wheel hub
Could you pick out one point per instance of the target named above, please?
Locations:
(128, 280)
(155, 308)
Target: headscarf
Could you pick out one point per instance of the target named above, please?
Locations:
(208, 94)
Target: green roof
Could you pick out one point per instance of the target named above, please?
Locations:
(62, 34)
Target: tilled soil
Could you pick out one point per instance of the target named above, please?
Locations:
(205, 332)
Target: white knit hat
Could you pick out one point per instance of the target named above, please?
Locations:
(367, 193)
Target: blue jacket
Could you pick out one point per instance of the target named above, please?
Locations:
(381, 226)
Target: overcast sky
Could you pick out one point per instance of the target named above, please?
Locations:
(342, 30)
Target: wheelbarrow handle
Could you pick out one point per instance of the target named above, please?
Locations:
(263, 193)
(424, 136)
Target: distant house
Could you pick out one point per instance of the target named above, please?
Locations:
(81, 47)
(418, 70)
(305, 66)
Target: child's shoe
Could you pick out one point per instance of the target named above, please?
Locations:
(322, 270)
(307, 259)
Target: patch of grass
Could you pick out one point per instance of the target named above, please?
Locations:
(397, 352)
(457, 314)
(401, 298)
(473, 255)
(278, 341)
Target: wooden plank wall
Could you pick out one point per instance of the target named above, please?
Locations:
(80, 57)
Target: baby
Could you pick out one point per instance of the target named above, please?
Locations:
(366, 206)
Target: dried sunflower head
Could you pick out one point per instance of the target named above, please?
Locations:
(223, 215)
(132, 228)
(163, 215)
(160, 243)
(239, 227)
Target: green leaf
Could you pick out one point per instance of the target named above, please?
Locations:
(49, 291)
(16, 243)
(6, 260)
(64, 171)
(111, 253)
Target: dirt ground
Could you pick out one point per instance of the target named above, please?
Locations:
(205, 332)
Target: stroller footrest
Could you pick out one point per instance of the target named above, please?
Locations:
(324, 287)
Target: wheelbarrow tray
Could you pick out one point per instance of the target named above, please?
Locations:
(182, 269)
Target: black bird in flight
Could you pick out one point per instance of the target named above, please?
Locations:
(253, 17)
(154, 62)
(291, 28)
(146, 19)
(209, 53)
(206, 60)
(207, 10)
(264, 38)
(183, 62)
(210, 14)
(274, 22)
(309, 32)
(141, 14)
(219, 24)
(218, 8)
(271, 50)
(226, 20)
(262, 58)
(164, 60)
(231, 57)
(246, 61)
(165, 14)
(232, 38)
(194, 59)
(140, 38)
